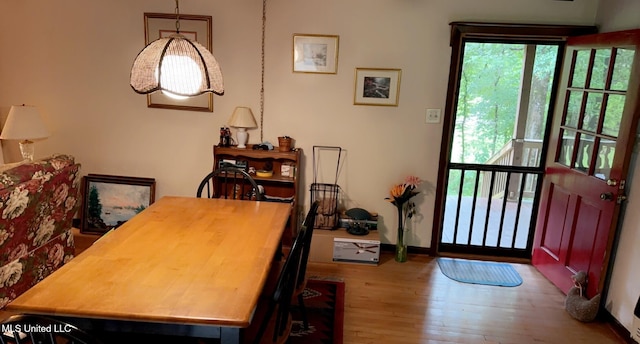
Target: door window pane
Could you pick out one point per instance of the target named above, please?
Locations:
(583, 156)
(579, 76)
(573, 109)
(600, 68)
(604, 161)
(566, 148)
(613, 114)
(592, 112)
(494, 125)
(622, 69)
(540, 94)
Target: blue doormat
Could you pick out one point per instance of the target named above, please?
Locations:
(480, 272)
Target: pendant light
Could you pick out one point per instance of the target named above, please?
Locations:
(176, 66)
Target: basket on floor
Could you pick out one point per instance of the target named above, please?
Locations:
(326, 194)
(327, 214)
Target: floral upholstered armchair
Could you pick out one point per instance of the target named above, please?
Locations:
(38, 201)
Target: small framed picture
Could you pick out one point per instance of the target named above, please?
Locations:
(109, 201)
(377, 86)
(315, 53)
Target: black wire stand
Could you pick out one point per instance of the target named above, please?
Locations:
(327, 194)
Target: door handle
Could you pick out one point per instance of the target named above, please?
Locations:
(606, 196)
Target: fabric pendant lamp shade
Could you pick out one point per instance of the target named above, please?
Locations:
(24, 123)
(242, 118)
(178, 66)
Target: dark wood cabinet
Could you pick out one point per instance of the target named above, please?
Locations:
(277, 187)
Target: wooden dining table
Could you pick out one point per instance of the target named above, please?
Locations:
(183, 266)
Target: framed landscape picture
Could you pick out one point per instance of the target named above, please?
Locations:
(109, 201)
(377, 86)
(315, 53)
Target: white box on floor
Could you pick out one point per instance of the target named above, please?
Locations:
(339, 246)
(356, 250)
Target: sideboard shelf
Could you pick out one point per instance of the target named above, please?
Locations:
(251, 153)
(277, 185)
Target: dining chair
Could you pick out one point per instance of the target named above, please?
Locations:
(272, 320)
(301, 279)
(229, 181)
(31, 329)
(304, 240)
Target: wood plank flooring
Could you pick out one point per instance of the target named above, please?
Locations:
(414, 302)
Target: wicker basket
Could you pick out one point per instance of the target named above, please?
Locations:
(327, 213)
(327, 216)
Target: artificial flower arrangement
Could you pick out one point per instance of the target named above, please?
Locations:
(401, 195)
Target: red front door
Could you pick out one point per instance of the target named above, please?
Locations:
(591, 141)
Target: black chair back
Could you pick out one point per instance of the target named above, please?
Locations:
(280, 300)
(28, 328)
(307, 233)
(229, 182)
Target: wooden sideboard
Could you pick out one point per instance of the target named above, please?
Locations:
(278, 185)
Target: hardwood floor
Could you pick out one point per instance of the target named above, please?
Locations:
(414, 302)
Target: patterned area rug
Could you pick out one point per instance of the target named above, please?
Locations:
(324, 301)
(480, 272)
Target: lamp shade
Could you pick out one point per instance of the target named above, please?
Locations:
(178, 66)
(242, 117)
(24, 123)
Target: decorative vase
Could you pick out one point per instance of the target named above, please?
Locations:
(401, 246)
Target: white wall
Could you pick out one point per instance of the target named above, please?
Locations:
(72, 59)
(384, 144)
(615, 15)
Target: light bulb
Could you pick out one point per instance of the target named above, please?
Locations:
(180, 76)
(173, 95)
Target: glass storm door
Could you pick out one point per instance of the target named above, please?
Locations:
(496, 158)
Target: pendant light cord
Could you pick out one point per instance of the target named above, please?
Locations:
(177, 17)
(264, 20)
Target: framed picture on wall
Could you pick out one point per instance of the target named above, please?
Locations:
(315, 53)
(377, 86)
(109, 201)
(193, 27)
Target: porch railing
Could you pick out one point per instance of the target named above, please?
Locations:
(517, 152)
(489, 225)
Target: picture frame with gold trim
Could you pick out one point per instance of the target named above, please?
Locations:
(315, 53)
(377, 86)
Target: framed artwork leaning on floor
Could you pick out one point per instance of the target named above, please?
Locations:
(109, 201)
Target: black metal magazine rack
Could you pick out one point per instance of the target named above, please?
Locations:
(326, 193)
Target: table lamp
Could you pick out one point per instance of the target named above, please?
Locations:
(242, 118)
(24, 123)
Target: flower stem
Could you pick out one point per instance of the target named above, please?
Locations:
(401, 247)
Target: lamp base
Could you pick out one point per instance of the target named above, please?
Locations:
(243, 136)
(27, 149)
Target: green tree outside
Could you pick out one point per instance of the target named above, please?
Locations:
(487, 108)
